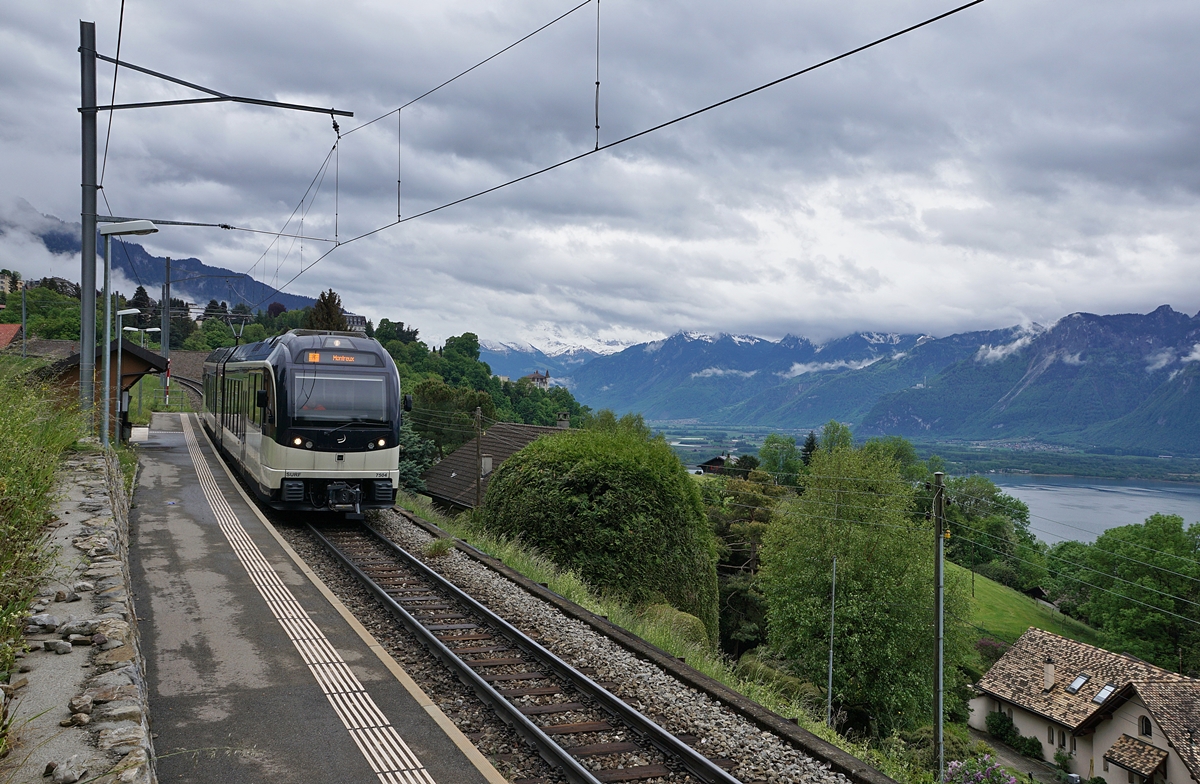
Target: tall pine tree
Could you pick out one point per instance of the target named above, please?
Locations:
(327, 313)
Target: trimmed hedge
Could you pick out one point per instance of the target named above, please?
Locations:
(618, 509)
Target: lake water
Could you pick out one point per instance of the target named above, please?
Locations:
(1080, 508)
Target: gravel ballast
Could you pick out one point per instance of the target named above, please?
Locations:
(757, 755)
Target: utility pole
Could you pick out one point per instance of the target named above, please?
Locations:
(478, 457)
(939, 524)
(829, 683)
(88, 109)
(164, 335)
(87, 271)
(24, 325)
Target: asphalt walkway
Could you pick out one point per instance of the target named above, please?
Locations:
(1031, 770)
(255, 672)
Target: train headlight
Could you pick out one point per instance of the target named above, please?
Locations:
(382, 441)
(308, 444)
(370, 445)
(297, 441)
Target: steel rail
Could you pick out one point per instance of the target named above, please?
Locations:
(691, 760)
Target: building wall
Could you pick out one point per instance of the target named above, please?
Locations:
(979, 708)
(1025, 722)
(1125, 722)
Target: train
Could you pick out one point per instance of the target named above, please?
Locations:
(310, 419)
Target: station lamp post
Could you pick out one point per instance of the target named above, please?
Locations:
(143, 331)
(121, 314)
(107, 231)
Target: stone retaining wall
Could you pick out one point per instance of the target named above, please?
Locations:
(81, 698)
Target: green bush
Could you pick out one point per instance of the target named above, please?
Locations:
(616, 508)
(1028, 745)
(1001, 727)
(1000, 571)
(752, 668)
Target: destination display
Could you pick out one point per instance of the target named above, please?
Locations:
(335, 357)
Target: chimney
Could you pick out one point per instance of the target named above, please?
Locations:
(564, 419)
(1048, 669)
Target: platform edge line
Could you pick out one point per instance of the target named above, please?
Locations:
(473, 754)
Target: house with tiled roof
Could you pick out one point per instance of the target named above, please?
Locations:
(1121, 718)
(538, 379)
(454, 481)
(9, 334)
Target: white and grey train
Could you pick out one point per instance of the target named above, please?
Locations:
(311, 419)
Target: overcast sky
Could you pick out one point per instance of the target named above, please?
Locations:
(1017, 162)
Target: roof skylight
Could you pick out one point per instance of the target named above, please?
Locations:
(1077, 684)
(1104, 693)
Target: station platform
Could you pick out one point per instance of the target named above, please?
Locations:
(255, 671)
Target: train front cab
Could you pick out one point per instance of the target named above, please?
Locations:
(311, 420)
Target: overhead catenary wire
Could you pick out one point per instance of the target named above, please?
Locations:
(637, 135)
(200, 224)
(461, 74)
(116, 70)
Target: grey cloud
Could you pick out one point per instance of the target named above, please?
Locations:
(1034, 158)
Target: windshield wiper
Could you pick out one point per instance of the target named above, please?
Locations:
(356, 422)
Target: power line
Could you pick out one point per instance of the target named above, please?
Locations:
(639, 134)
(472, 68)
(1185, 559)
(1088, 568)
(116, 70)
(1090, 585)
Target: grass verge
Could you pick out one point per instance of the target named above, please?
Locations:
(36, 428)
(1005, 614)
(900, 766)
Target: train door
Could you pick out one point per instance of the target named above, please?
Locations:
(218, 408)
(243, 415)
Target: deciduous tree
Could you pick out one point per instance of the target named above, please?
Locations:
(856, 505)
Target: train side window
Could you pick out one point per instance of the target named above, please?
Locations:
(255, 380)
(269, 411)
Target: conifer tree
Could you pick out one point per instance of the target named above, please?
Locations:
(327, 313)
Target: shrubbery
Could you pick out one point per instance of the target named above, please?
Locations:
(1001, 727)
(34, 431)
(618, 509)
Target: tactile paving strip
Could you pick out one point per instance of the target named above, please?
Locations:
(383, 748)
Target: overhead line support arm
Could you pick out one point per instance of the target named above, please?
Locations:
(217, 97)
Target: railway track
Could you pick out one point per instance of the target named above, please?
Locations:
(576, 725)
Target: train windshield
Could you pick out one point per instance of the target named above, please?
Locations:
(341, 397)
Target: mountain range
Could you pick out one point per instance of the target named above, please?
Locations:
(514, 360)
(1117, 383)
(191, 279)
